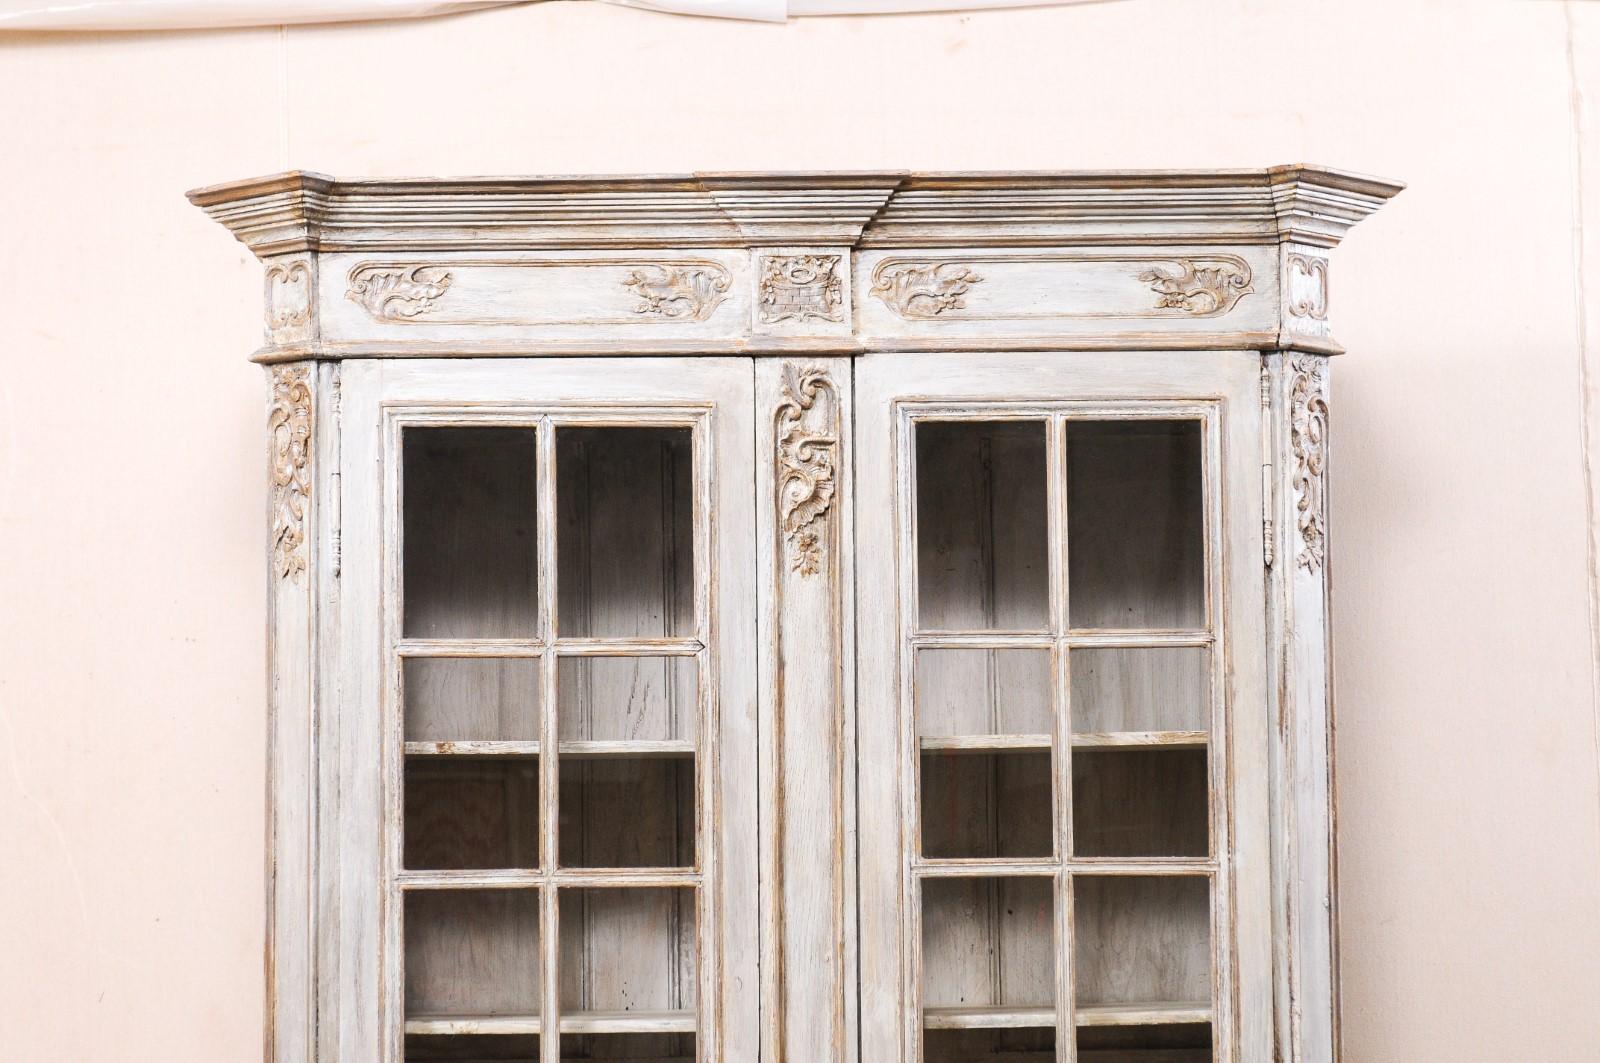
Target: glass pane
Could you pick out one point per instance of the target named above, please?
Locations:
(471, 812)
(625, 549)
(1165, 689)
(625, 811)
(982, 526)
(1142, 940)
(639, 1047)
(1140, 802)
(633, 699)
(1026, 1045)
(476, 1048)
(987, 943)
(1135, 524)
(472, 953)
(983, 692)
(628, 951)
(471, 699)
(986, 804)
(471, 538)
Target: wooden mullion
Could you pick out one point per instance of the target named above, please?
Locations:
(549, 757)
(1061, 660)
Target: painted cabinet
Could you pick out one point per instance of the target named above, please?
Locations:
(867, 618)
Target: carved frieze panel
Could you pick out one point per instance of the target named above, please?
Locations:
(539, 292)
(1063, 291)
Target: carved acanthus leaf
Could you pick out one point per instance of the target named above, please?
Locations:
(397, 293)
(1201, 290)
(1308, 438)
(678, 292)
(808, 442)
(924, 289)
(797, 287)
(289, 432)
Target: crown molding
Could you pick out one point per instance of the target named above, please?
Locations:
(305, 211)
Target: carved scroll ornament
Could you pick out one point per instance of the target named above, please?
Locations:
(1201, 290)
(397, 293)
(808, 443)
(923, 289)
(678, 292)
(1315, 270)
(288, 294)
(798, 287)
(289, 432)
(1308, 436)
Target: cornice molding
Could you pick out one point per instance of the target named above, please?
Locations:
(304, 211)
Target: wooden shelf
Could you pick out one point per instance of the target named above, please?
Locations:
(1000, 1017)
(628, 1022)
(574, 1022)
(985, 743)
(474, 1024)
(989, 1017)
(472, 749)
(1088, 741)
(586, 750)
(1165, 1013)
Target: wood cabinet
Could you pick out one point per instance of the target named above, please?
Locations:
(840, 618)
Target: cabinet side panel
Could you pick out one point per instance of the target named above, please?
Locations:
(802, 474)
(1303, 811)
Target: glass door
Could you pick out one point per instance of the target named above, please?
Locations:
(1053, 646)
(569, 755)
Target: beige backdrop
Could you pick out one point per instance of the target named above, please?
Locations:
(131, 436)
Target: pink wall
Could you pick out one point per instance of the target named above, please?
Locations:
(131, 436)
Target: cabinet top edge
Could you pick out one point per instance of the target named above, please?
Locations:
(302, 210)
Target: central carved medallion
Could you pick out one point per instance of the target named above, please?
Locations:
(800, 287)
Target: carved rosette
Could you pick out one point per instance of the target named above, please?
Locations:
(1201, 290)
(289, 432)
(397, 293)
(923, 289)
(677, 292)
(800, 287)
(1308, 294)
(288, 295)
(1308, 438)
(808, 442)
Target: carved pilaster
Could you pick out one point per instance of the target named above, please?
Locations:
(805, 517)
(1303, 807)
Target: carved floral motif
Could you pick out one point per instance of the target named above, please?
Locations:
(678, 292)
(798, 287)
(289, 432)
(397, 293)
(1308, 438)
(1315, 270)
(1201, 290)
(808, 443)
(923, 289)
(288, 294)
